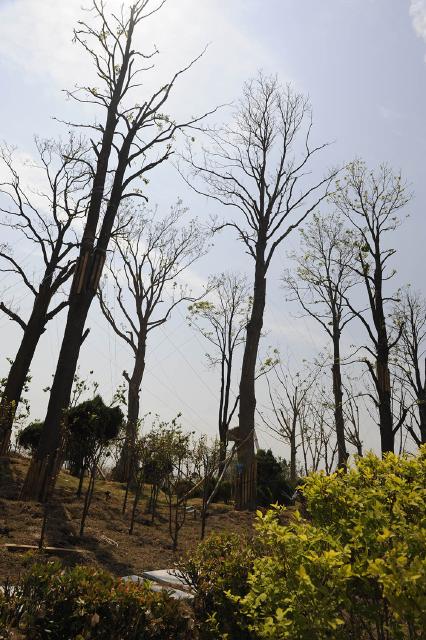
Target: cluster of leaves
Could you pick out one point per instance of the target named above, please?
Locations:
(21, 412)
(356, 568)
(90, 424)
(84, 603)
(29, 437)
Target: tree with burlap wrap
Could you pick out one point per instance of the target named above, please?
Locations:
(134, 139)
(258, 165)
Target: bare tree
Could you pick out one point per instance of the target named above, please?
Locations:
(222, 323)
(409, 316)
(258, 165)
(371, 201)
(317, 434)
(352, 417)
(323, 278)
(44, 219)
(135, 138)
(289, 403)
(179, 481)
(149, 257)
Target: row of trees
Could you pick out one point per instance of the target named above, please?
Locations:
(259, 167)
(174, 464)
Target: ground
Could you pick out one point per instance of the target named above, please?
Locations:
(106, 542)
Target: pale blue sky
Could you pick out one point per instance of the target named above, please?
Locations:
(361, 61)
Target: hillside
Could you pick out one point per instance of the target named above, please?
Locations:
(106, 542)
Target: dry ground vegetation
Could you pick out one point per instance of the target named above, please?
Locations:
(106, 542)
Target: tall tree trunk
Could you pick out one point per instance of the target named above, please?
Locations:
(339, 420)
(20, 367)
(382, 380)
(45, 465)
(246, 498)
(46, 461)
(124, 466)
(223, 437)
(422, 417)
(387, 436)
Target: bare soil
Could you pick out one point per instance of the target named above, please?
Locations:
(106, 542)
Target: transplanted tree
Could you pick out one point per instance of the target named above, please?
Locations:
(290, 400)
(259, 165)
(210, 468)
(222, 321)
(317, 432)
(323, 278)
(134, 138)
(92, 426)
(44, 220)
(409, 316)
(149, 257)
(352, 417)
(178, 452)
(371, 201)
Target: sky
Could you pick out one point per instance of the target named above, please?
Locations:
(363, 65)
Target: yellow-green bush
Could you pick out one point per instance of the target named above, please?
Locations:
(355, 568)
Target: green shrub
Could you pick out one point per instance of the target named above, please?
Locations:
(29, 436)
(84, 603)
(221, 563)
(356, 568)
(272, 485)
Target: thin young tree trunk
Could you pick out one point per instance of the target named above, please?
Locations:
(176, 529)
(293, 454)
(246, 456)
(20, 367)
(154, 503)
(205, 506)
(339, 420)
(138, 494)
(80, 481)
(126, 493)
(88, 497)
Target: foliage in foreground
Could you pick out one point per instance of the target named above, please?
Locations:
(356, 568)
(220, 564)
(84, 603)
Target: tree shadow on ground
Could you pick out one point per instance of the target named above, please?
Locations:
(62, 531)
